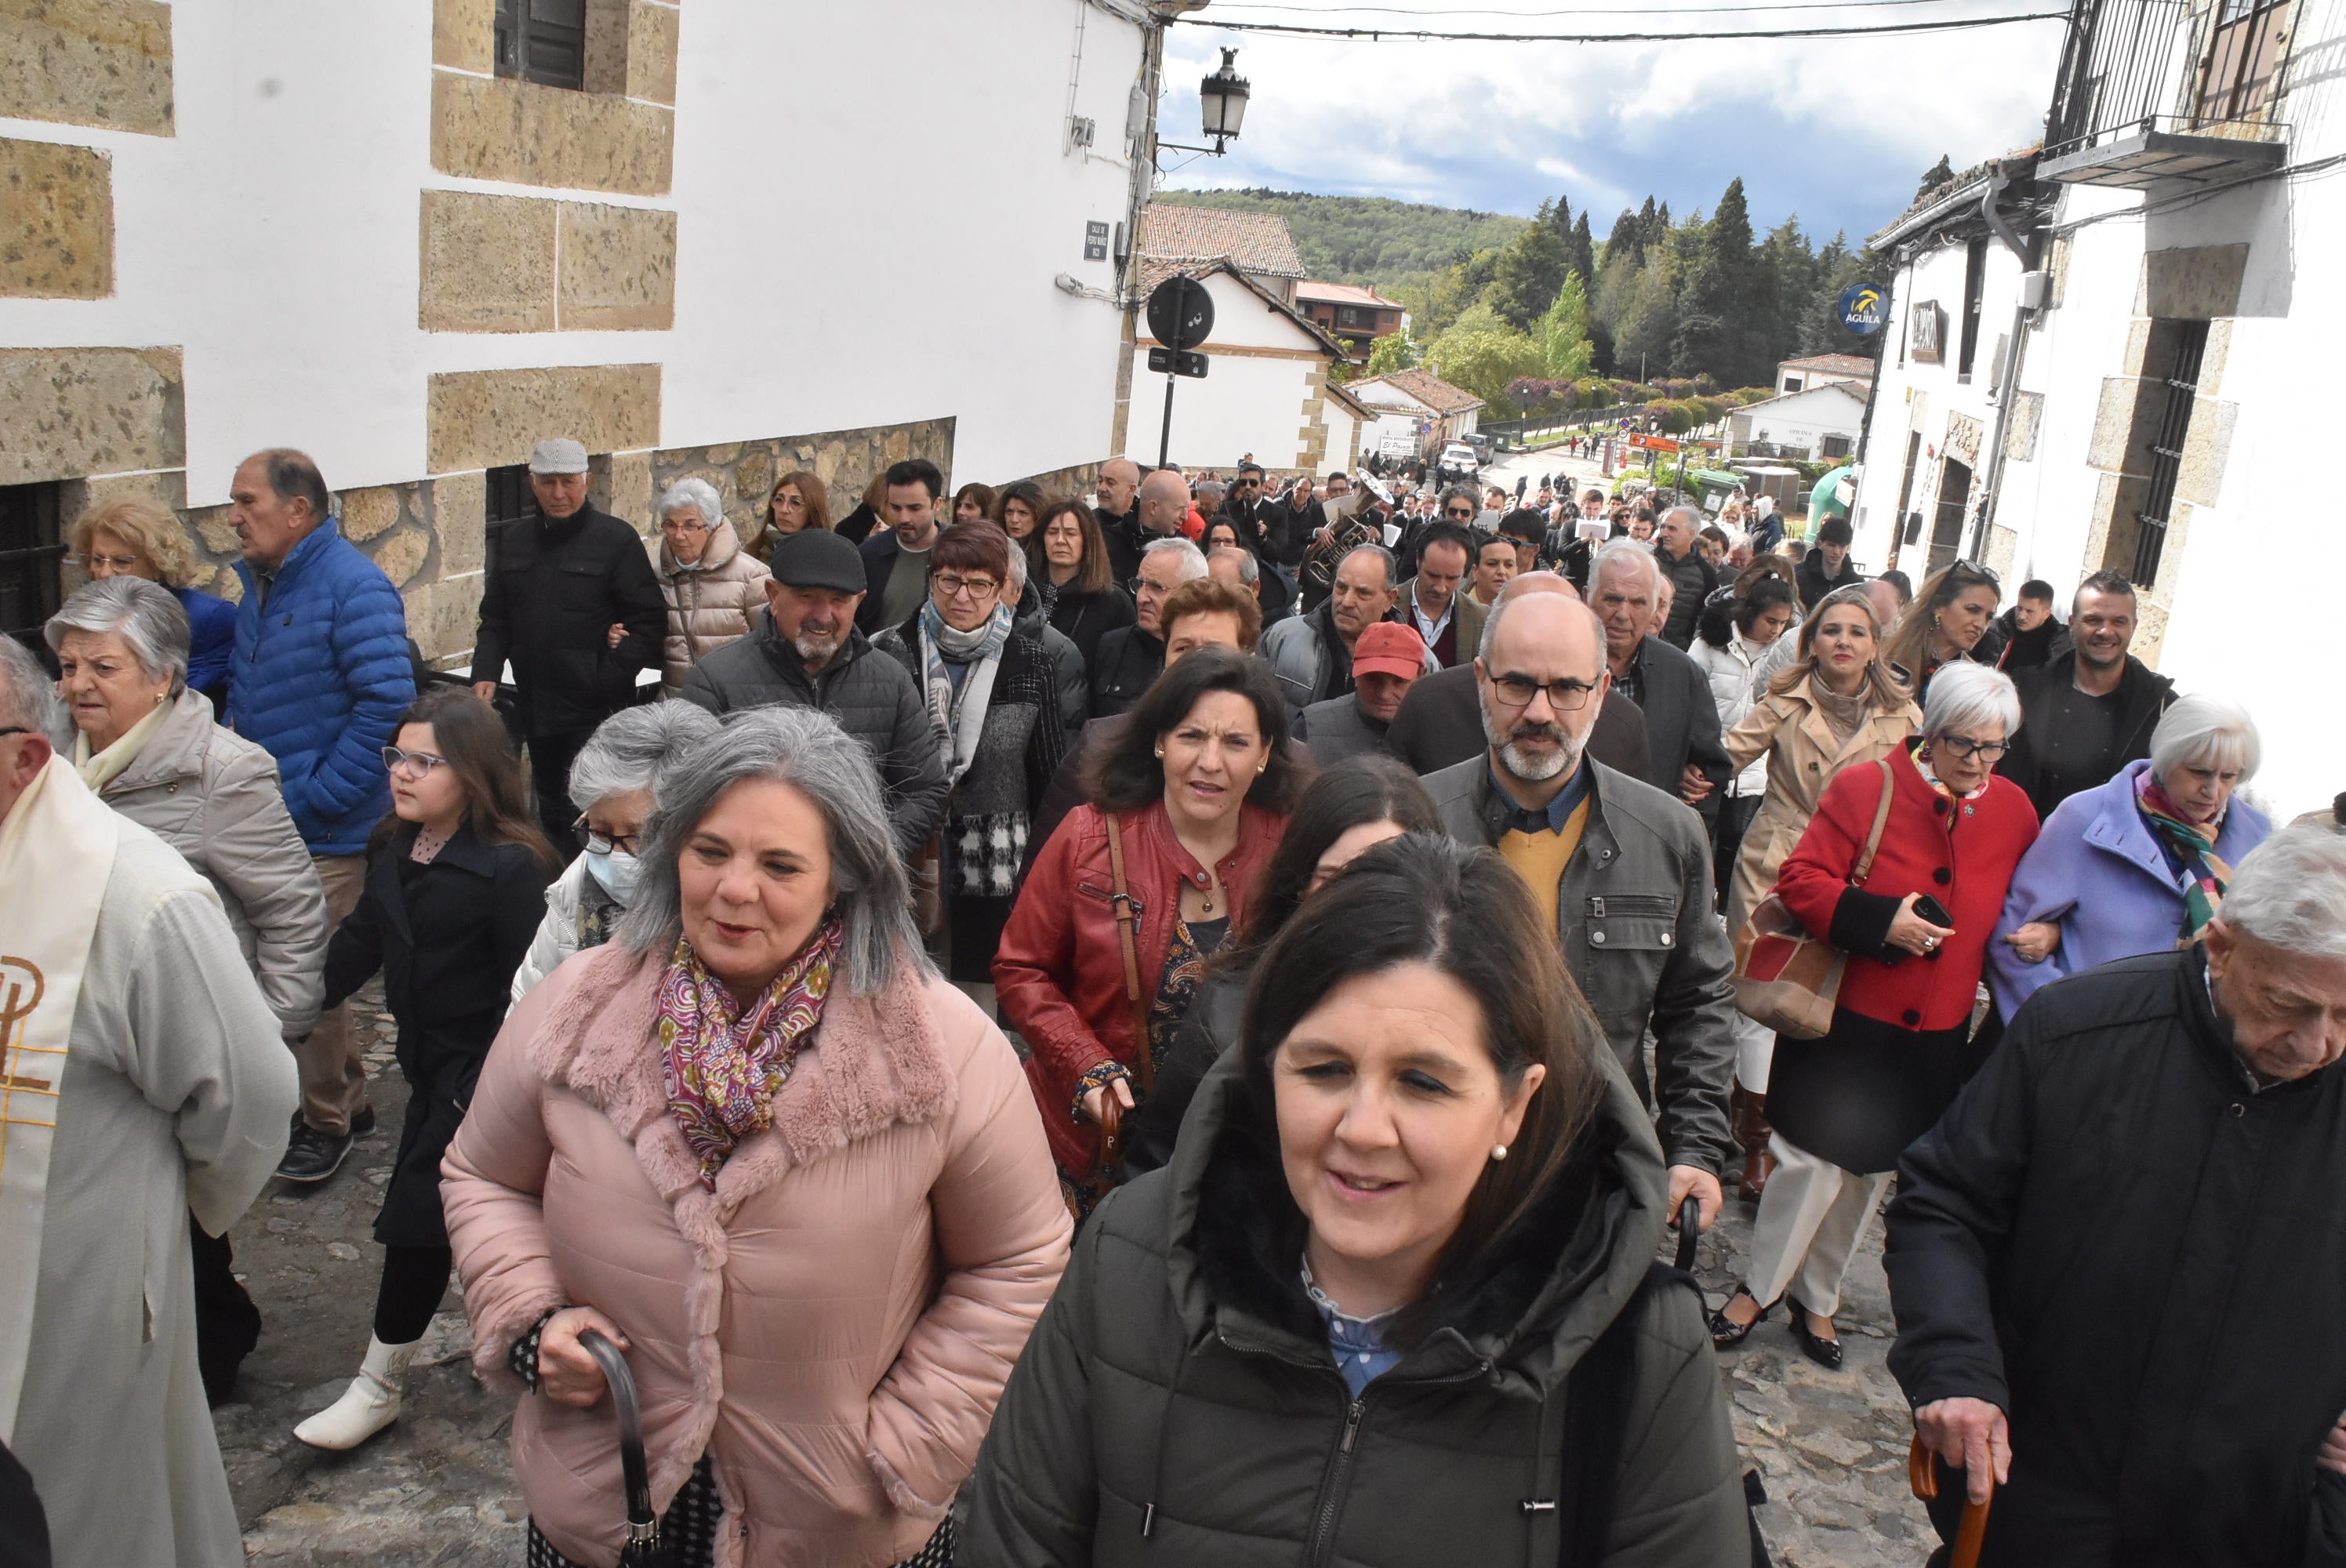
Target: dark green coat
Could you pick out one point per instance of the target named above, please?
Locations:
(1180, 1378)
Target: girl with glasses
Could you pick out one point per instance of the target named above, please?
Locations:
(456, 887)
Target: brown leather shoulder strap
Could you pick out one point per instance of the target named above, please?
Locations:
(1128, 933)
(1881, 821)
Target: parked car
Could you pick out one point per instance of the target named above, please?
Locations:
(1458, 464)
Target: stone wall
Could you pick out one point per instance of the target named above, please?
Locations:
(846, 461)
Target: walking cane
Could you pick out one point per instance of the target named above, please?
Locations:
(1690, 1231)
(643, 1549)
(1923, 1476)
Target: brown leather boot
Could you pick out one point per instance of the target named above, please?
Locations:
(1751, 1131)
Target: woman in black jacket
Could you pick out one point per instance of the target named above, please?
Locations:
(1076, 580)
(1350, 810)
(456, 887)
(1395, 1299)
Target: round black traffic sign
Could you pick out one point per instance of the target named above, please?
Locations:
(1180, 313)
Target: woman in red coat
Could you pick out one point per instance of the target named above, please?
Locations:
(1196, 789)
(1845, 1106)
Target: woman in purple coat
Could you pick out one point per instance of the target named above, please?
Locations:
(2138, 865)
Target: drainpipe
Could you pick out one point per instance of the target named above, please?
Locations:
(2008, 375)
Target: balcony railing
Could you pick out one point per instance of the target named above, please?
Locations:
(2159, 91)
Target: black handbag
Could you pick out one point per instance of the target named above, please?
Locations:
(643, 1549)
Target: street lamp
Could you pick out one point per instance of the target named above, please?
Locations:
(1222, 98)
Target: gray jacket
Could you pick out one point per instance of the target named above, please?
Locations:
(1336, 728)
(1298, 654)
(873, 698)
(214, 797)
(1634, 915)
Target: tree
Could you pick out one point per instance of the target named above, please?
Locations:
(1644, 332)
(1625, 241)
(1392, 352)
(1566, 352)
(1579, 253)
(1786, 282)
(1715, 327)
(1937, 175)
(1527, 274)
(1481, 353)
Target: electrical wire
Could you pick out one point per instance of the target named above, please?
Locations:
(1422, 35)
(1227, 5)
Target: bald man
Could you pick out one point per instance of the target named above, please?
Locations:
(1621, 870)
(1439, 724)
(1117, 507)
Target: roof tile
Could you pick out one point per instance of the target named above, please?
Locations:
(1258, 242)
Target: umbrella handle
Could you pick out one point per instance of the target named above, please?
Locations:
(643, 1525)
(1690, 1231)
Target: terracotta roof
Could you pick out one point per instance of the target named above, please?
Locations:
(1343, 394)
(1344, 294)
(1427, 387)
(1833, 365)
(1257, 242)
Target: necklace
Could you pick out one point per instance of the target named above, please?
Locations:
(1212, 888)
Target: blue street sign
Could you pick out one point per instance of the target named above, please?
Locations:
(1863, 309)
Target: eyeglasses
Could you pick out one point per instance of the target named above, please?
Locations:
(113, 563)
(670, 525)
(420, 762)
(1564, 695)
(601, 843)
(15, 729)
(1965, 747)
(952, 584)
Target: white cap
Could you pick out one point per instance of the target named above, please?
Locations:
(559, 455)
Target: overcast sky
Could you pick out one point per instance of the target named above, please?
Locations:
(1835, 129)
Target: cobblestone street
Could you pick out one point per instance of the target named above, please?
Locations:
(436, 1488)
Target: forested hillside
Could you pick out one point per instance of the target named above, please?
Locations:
(1366, 239)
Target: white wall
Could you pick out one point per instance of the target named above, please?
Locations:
(1243, 403)
(874, 200)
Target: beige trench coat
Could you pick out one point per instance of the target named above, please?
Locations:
(1788, 730)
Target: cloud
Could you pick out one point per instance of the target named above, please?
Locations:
(1837, 130)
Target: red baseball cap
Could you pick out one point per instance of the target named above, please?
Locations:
(1389, 647)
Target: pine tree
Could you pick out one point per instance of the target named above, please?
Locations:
(1527, 275)
(1716, 313)
(1786, 282)
(1581, 254)
(1626, 240)
(1558, 215)
(1937, 175)
(1652, 227)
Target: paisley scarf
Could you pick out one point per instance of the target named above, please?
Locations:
(2193, 844)
(723, 1062)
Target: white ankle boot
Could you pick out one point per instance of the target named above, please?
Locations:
(369, 1404)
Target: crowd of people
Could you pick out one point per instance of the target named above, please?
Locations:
(1169, 1025)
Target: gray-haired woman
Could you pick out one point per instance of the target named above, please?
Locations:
(714, 588)
(149, 745)
(611, 784)
(758, 1143)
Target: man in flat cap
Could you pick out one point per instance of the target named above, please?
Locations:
(570, 599)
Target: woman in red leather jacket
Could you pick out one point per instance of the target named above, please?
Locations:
(1197, 791)
(1844, 1106)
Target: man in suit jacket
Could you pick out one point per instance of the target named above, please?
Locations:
(1435, 601)
(1686, 755)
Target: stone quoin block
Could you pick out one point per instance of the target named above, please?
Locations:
(651, 51)
(460, 516)
(56, 221)
(443, 615)
(87, 63)
(488, 419)
(464, 35)
(521, 133)
(618, 267)
(2193, 282)
(66, 413)
(488, 263)
(2206, 448)
(623, 488)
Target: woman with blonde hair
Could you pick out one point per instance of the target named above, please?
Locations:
(133, 536)
(1952, 618)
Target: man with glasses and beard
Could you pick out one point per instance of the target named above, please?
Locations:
(1621, 870)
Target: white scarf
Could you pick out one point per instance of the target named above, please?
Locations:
(108, 765)
(960, 716)
(57, 853)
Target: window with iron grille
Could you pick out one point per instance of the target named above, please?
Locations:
(543, 41)
(510, 499)
(2238, 77)
(31, 551)
(1974, 294)
(2167, 448)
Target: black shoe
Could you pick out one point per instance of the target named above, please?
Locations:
(364, 1123)
(1824, 1352)
(1726, 1331)
(313, 1156)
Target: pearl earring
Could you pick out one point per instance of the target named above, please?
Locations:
(1499, 1153)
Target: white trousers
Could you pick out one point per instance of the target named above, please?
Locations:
(1755, 1048)
(1811, 1219)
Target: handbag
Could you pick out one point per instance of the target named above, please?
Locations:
(1108, 1169)
(643, 1548)
(1785, 977)
(1923, 1475)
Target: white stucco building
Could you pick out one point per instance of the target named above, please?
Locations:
(411, 242)
(1420, 406)
(2127, 324)
(1824, 421)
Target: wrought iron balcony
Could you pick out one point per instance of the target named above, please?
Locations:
(2157, 92)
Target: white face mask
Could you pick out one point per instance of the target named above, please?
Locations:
(617, 871)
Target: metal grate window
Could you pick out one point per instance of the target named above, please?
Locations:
(510, 499)
(2167, 450)
(543, 41)
(31, 552)
(2237, 78)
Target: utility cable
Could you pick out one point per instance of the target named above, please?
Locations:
(1420, 34)
(1227, 6)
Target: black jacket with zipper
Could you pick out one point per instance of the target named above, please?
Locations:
(553, 588)
(1178, 1404)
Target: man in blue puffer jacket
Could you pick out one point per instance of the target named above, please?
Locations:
(319, 678)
